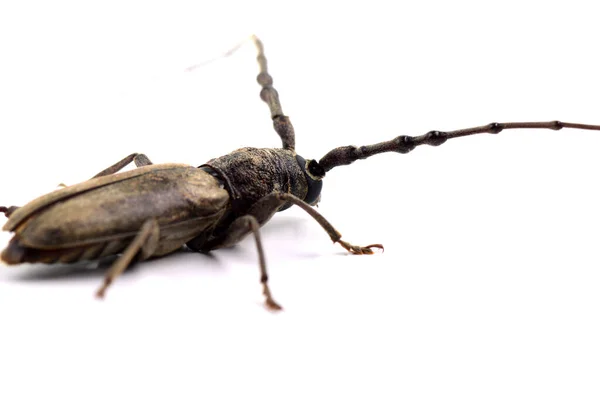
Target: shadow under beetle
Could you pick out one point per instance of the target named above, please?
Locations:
(155, 209)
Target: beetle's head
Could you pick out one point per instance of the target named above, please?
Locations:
(314, 173)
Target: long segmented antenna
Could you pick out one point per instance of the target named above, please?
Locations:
(211, 60)
(281, 123)
(404, 144)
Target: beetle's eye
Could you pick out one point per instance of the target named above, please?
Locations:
(314, 183)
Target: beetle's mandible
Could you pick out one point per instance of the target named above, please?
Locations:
(154, 210)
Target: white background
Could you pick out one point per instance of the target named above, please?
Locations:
(489, 282)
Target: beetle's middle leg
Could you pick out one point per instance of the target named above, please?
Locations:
(258, 215)
(139, 158)
(241, 227)
(144, 244)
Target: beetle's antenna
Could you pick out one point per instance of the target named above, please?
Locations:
(218, 57)
(345, 155)
(281, 123)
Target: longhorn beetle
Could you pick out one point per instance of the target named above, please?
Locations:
(154, 210)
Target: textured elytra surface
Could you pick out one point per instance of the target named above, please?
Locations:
(170, 196)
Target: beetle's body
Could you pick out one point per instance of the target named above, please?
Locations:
(100, 217)
(156, 209)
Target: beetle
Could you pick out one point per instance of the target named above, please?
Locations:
(155, 209)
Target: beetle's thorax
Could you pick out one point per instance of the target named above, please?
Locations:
(253, 173)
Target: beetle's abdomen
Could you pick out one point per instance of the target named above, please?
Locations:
(16, 253)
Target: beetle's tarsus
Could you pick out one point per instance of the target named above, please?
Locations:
(8, 210)
(100, 293)
(359, 249)
(272, 305)
(269, 302)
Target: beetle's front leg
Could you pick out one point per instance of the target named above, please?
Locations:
(275, 200)
(333, 233)
(139, 158)
(266, 207)
(8, 210)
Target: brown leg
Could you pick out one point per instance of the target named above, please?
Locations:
(8, 210)
(260, 213)
(265, 208)
(238, 230)
(139, 158)
(275, 200)
(145, 243)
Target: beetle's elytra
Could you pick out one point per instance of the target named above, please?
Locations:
(156, 209)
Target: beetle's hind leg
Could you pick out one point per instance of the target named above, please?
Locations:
(8, 210)
(144, 244)
(138, 158)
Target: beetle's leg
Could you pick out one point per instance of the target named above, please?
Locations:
(259, 214)
(237, 231)
(8, 210)
(264, 209)
(139, 158)
(345, 155)
(144, 243)
(281, 123)
(331, 231)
